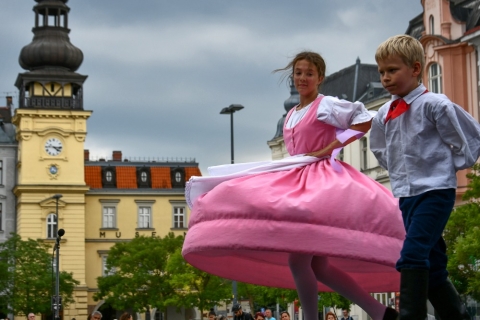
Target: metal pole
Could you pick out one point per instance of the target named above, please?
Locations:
(231, 136)
(234, 283)
(57, 283)
(231, 110)
(60, 233)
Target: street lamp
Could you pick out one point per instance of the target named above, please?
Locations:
(231, 110)
(56, 299)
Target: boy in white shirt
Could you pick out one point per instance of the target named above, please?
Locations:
(422, 139)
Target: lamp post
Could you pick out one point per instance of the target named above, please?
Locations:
(56, 299)
(231, 110)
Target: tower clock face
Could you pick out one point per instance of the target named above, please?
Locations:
(53, 146)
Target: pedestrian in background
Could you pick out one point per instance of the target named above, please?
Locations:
(284, 315)
(259, 316)
(331, 316)
(126, 316)
(268, 315)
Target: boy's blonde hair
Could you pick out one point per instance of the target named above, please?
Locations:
(409, 49)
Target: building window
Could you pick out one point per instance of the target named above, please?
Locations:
(109, 213)
(108, 177)
(52, 226)
(144, 217)
(143, 177)
(178, 177)
(363, 154)
(179, 219)
(435, 78)
(105, 271)
(145, 214)
(108, 217)
(432, 25)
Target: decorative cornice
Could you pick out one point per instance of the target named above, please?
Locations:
(40, 188)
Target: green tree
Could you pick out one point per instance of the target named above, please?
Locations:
(462, 235)
(137, 273)
(334, 300)
(27, 277)
(266, 297)
(194, 287)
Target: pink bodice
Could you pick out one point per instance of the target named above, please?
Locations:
(309, 134)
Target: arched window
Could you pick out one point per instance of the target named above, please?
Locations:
(363, 154)
(52, 226)
(432, 25)
(435, 78)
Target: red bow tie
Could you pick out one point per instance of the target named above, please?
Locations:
(397, 107)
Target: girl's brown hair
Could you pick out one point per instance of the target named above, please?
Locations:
(312, 57)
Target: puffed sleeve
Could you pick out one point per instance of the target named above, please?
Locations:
(342, 113)
(378, 143)
(461, 132)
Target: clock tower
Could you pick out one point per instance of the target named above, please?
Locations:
(51, 129)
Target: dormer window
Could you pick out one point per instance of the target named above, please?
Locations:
(143, 177)
(109, 177)
(178, 177)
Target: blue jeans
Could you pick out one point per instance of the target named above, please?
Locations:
(425, 217)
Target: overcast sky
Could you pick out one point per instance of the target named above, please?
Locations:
(159, 72)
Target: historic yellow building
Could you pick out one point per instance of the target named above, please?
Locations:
(128, 199)
(97, 203)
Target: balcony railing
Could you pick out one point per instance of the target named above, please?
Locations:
(52, 103)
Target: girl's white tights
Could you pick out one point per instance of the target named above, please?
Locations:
(307, 270)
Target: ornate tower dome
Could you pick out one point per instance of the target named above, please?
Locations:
(51, 60)
(51, 45)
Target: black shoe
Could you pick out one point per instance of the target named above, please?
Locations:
(390, 314)
(447, 302)
(413, 294)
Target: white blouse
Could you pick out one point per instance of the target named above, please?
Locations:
(333, 111)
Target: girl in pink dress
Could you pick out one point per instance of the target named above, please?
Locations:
(308, 221)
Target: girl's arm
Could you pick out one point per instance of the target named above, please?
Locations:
(363, 127)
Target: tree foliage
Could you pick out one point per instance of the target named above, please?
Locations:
(27, 277)
(137, 273)
(334, 300)
(194, 287)
(462, 235)
(150, 272)
(267, 297)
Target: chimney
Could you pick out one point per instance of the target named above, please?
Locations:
(9, 102)
(86, 155)
(117, 156)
